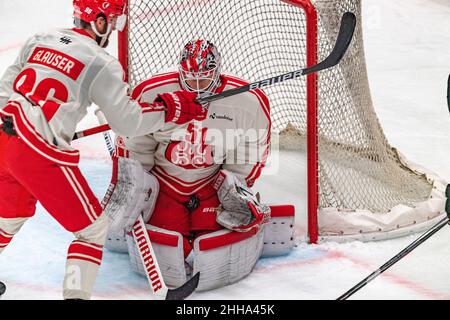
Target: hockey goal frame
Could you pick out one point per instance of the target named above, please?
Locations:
(312, 35)
(312, 105)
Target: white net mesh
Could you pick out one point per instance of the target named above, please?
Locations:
(257, 39)
(360, 174)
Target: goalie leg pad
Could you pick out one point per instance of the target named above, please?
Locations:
(117, 241)
(225, 257)
(133, 191)
(279, 232)
(168, 248)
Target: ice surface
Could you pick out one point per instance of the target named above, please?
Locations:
(408, 56)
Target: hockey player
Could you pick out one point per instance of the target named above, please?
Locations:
(204, 170)
(43, 96)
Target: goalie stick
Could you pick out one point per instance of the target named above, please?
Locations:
(404, 252)
(146, 252)
(153, 272)
(344, 38)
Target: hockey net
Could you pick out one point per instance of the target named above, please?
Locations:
(358, 185)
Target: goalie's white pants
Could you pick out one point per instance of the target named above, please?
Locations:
(83, 258)
(222, 257)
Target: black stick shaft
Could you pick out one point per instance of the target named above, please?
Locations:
(396, 258)
(345, 35)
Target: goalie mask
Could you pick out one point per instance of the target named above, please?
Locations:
(199, 66)
(90, 10)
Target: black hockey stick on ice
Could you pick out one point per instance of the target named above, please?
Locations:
(404, 252)
(146, 252)
(344, 38)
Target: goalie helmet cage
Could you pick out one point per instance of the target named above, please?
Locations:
(359, 187)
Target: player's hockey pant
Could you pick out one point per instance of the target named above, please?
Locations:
(27, 177)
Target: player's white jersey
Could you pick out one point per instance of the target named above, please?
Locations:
(234, 135)
(56, 76)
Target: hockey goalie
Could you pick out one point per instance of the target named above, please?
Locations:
(192, 181)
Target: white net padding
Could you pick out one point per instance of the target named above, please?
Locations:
(366, 188)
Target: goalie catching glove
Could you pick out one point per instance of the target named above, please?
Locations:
(181, 106)
(240, 210)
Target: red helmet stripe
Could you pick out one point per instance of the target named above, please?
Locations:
(88, 10)
(194, 64)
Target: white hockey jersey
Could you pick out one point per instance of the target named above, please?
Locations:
(234, 135)
(56, 76)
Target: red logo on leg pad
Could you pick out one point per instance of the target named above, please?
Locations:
(147, 256)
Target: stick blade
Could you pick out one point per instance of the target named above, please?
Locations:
(185, 290)
(344, 38)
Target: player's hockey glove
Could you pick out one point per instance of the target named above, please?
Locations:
(240, 210)
(181, 106)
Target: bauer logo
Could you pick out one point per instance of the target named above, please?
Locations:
(272, 81)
